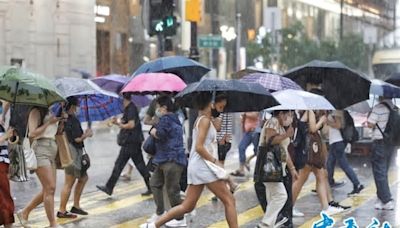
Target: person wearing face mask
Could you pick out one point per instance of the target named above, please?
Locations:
(276, 193)
(74, 173)
(170, 159)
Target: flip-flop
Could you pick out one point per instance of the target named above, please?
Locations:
(237, 173)
(235, 189)
(23, 221)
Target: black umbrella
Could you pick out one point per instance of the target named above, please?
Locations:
(394, 79)
(242, 96)
(341, 85)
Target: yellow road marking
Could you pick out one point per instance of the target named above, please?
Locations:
(204, 200)
(256, 212)
(356, 201)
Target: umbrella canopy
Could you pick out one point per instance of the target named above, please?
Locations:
(270, 81)
(249, 70)
(341, 85)
(19, 86)
(242, 97)
(153, 83)
(381, 88)
(79, 87)
(188, 70)
(300, 100)
(115, 82)
(394, 79)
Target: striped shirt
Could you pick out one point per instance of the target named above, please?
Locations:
(380, 116)
(226, 127)
(4, 151)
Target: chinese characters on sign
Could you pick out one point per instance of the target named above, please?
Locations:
(327, 222)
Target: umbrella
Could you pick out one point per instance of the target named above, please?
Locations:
(115, 82)
(152, 83)
(242, 97)
(189, 70)
(79, 87)
(341, 85)
(249, 70)
(271, 81)
(300, 100)
(381, 88)
(19, 86)
(394, 79)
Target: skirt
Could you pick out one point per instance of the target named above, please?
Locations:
(6, 201)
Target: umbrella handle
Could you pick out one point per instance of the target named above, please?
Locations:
(87, 113)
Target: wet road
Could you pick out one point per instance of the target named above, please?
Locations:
(127, 208)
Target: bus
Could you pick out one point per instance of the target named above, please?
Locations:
(386, 62)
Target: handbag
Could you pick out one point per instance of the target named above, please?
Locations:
(17, 169)
(149, 145)
(29, 153)
(314, 147)
(272, 166)
(63, 158)
(218, 171)
(85, 162)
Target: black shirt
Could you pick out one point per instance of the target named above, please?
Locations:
(135, 134)
(73, 129)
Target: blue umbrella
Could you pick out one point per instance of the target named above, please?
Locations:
(242, 97)
(381, 88)
(189, 70)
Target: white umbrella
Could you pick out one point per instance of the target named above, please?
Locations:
(300, 100)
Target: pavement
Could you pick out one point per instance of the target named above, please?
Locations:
(127, 208)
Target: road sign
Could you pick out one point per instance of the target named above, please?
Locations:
(210, 42)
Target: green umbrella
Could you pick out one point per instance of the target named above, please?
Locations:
(19, 86)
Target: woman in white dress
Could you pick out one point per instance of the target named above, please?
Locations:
(204, 169)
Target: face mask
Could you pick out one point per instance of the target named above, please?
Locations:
(158, 113)
(78, 110)
(215, 113)
(288, 121)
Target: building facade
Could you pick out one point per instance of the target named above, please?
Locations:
(51, 37)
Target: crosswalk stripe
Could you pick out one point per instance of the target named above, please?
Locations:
(256, 212)
(356, 201)
(203, 201)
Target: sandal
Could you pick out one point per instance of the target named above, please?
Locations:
(66, 215)
(237, 173)
(234, 189)
(247, 166)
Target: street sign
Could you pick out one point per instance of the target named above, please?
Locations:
(210, 42)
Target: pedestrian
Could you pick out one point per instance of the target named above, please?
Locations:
(250, 121)
(170, 159)
(276, 193)
(381, 153)
(42, 128)
(6, 201)
(336, 153)
(202, 168)
(130, 138)
(74, 173)
(314, 125)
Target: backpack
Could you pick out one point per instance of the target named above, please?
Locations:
(391, 135)
(348, 131)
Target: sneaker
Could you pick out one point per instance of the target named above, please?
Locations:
(356, 190)
(297, 213)
(78, 211)
(281, 222)
(336, 204)
(66, 215)
(177, 223)
(378, 205)
(388, 206)
(337, 184)
(148, 225)
(333, 210)
(104, 189)
(154, 217)
(147, 193)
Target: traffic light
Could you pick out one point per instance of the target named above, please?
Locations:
(162, 19)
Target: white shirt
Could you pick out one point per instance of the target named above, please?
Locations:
(334, 135)
(380, 116)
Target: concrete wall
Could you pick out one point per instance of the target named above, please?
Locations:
(51, 36)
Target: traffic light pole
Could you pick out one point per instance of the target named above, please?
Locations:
(161, 47)
(193, 54)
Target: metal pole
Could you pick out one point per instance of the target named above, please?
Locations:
(341, 18)
(238, 39)
(161, 41)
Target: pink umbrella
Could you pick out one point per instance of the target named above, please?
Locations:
(151, 83)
